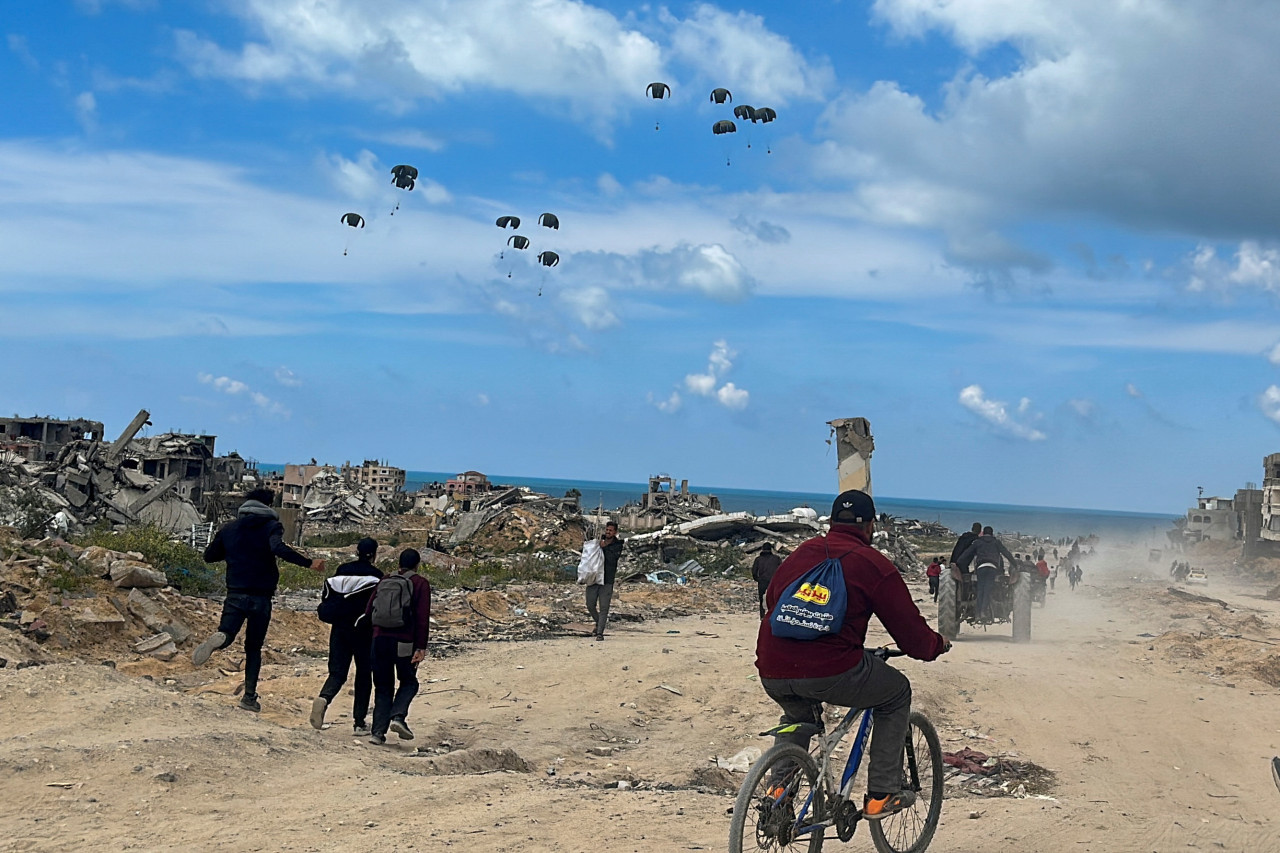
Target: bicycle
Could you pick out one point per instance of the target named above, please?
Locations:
(792, 796)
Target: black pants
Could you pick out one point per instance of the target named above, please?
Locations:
(870, 684)
(349, 644)
(389, 666)
(933, 586)
(255, 610)
(762, 589)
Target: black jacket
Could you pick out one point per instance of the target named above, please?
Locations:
(250, 545)
(965, 540)
(611, 554)
(986, 549)
(764, 568)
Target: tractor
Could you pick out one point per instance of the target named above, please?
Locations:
(1011, 599)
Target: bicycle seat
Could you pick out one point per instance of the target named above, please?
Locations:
(805, 729)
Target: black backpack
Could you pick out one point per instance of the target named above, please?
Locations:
(393, 602)
(344, 598)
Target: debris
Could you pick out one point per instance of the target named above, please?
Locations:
(160, 646)
(669, 689)
(741, 761)
(132, 574)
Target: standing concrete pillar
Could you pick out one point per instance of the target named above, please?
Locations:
(854, 445)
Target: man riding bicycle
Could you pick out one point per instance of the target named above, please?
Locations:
(802, 674)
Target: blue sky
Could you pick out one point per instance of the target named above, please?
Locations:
(1036, 244)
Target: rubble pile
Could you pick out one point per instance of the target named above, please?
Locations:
(519, 519)
(91, 481)
(980, 775)
(332, 500)
(894, 544)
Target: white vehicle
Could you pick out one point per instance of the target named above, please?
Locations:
(1197, 576)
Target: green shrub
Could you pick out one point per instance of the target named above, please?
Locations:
(523, 568)
(27, 509)
(338, 539)
(182, 565)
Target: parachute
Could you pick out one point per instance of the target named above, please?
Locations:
(548, 259)
(658, 92)
(505, 221)
(765, 115)
(719, 96)
(404, 178)
(549, 220)
(721, 128)
(746, 112)
(351, 220)
(518, 241)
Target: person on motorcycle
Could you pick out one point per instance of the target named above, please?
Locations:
(988, 554)
(802, 674)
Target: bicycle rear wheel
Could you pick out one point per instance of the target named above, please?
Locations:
(781, 791)
(911, 830)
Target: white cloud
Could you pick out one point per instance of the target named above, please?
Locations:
(482, 399)
(1254, 267)
(719, 363)
(1071, 123)
(1083, 407)
(591, 306)
(668, 406)
(709, 269)
(18, 46)
(1269, 402)
(86, 107)
(235, 387)
(1133, 391)
(1273, 355)
(732, 397)
(702, 384)
(287, 377)
(997, 414)
(736, 50)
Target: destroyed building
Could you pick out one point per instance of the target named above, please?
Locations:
(297, 479)
(42, 439)
(384, 480)
(854, 446)
(665, 504)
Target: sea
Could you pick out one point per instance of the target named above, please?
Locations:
(958, 516)
(1051, 522)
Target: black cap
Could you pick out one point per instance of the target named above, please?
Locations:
(367, 547)
(853, 507)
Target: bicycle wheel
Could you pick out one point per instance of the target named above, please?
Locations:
(776, 790)
(911, 830)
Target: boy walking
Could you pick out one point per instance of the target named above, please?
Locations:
(400, 610)
(345, 603)
(250, 546)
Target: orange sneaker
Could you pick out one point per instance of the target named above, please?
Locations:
(884, 806)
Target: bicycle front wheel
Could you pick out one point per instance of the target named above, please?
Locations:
(911, 830)
(780, 796)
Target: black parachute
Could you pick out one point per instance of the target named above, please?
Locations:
(404, 177)
(518, 241)
(746, 112)
(764, 115)
(548, 259)
(722, 128)
(508, 221)
(719, 96)
(355, 220)
(549, 220)
(658, 91)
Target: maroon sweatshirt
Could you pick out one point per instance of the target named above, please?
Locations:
(872, 585)
(421, 627)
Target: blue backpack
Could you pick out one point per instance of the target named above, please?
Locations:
(812, 605)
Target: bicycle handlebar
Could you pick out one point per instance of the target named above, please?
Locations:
(885, 652)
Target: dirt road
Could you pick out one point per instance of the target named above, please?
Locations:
(1159, 743)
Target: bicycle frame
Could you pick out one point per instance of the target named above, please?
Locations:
(827, 745)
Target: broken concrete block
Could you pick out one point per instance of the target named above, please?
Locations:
(107, 620)
(155, 616)
(98, 558)
(160, 646)
(127, 574)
